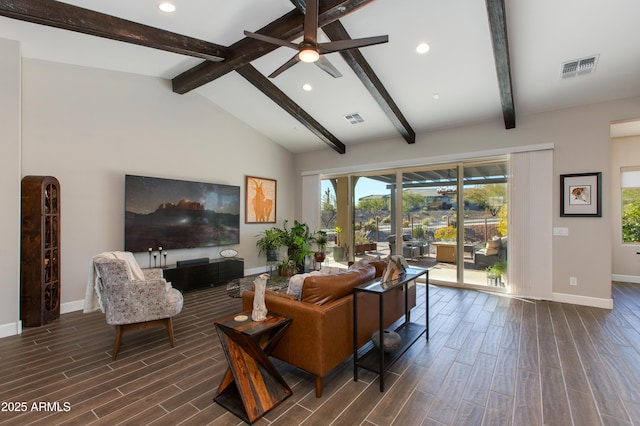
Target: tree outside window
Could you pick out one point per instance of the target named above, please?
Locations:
(630, 183)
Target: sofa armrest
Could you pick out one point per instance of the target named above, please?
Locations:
(319, 337)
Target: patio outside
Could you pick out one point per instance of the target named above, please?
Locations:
(430, 218)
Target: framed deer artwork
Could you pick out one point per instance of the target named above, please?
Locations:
(260, 202)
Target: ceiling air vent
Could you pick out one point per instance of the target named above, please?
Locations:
(354, 118)
(579, 66)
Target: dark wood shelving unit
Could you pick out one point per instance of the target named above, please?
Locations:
(40, 251)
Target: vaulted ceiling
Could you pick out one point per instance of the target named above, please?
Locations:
(489, 60)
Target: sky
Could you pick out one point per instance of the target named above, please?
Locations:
(364, 187)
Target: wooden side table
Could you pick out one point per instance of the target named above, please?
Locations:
(252, 385)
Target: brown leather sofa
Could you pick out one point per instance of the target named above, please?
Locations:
(321, 334)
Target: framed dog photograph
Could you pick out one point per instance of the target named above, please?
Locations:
(580, 194)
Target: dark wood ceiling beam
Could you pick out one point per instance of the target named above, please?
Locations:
(499, 39)
(359, 65)
(263, 84)
(288, 27)
(73, 18)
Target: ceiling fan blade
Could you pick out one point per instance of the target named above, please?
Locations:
(324, 64)
(311, 22)
(271, 40)
(335, 46)
(291, 62)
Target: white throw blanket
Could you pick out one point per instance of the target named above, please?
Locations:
(92, 296)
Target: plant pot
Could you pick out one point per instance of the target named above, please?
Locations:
(287, 271)
(272, 255)
(319, 256)
(339, 254)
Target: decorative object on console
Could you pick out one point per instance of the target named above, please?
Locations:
(260, 201)
(396, 267)
(580, 194)
(178, 214)
(390, 340)
(229, 253)
(259, 312)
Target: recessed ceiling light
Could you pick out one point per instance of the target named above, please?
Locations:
(167, 7)
(436, 96)
(307, 87)
(422, 48)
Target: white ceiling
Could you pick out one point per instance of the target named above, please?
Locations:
(459, 67)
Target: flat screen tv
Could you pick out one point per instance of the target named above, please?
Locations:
(177, 214)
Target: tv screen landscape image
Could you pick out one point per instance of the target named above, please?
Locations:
(176, 214)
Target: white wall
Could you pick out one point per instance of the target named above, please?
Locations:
(90, 127)
(581, 141)
(10, 188)
(625, 152)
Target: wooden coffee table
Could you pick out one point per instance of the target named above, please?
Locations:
(252, 385)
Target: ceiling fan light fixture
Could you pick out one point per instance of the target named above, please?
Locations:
(308, 55)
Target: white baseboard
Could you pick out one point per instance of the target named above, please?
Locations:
(594, 302)
(626, 278)
(254, 271)
(76, 305)
(10, 329)
(13, 328)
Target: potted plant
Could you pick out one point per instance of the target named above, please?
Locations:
(339, 252)
(298, 238)
(321, 240)
(362, 242)
(286, 267)
(495, 273)
(269, 242)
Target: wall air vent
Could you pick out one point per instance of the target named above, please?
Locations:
(579, 66)
(354, 118)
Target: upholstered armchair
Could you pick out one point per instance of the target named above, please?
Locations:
(494, 251)
(133, 299)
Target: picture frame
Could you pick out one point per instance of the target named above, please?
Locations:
(260, 200)
(581, 195)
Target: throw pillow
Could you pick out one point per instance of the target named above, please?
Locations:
(493, 247)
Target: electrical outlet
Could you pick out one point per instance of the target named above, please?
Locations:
(573, 280)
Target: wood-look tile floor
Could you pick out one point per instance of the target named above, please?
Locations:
(490, 360)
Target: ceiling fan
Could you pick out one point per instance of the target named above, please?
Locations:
(309, 50)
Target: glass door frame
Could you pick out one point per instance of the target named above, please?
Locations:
(397, 224)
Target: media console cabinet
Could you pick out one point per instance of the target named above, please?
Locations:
(195, 276)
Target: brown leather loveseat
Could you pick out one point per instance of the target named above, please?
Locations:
(321, 334)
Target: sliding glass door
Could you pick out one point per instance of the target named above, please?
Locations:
(485, 224)
(450, 219)
(374, 215)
